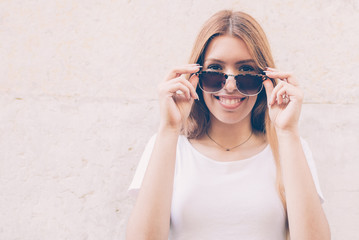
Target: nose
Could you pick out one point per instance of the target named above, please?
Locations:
(230, 85)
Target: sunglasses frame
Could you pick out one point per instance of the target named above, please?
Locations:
(264, 77)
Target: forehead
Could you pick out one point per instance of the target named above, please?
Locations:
(228, 49)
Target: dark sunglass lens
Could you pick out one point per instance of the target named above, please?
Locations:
(249, 84)
(212, 81)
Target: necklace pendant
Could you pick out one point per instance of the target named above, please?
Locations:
(229, 149)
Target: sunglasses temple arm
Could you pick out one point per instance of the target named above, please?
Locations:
(265, 77)
(196, 73)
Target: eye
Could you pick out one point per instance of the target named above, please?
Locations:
(246, 68)
(215, 67)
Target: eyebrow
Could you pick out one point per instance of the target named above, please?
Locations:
(239, 62)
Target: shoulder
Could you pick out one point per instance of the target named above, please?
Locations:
(182, 140)
(182, 144)
(145, 158)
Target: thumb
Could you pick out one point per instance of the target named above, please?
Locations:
(268, 85)
(194, 80)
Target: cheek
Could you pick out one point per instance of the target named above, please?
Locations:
(252, 100)
(208, 99)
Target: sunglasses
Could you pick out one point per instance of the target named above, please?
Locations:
(247, 84)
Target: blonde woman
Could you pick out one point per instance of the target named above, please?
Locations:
(227, 161)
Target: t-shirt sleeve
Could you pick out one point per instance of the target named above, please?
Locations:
(141, 168)
(313, 169)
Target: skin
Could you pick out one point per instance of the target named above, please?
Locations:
(218, 59)
(230, 126)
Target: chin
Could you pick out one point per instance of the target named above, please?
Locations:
(231, 118)
(228, 114)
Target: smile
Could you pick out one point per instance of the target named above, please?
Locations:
(230, 102)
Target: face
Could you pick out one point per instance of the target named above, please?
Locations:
(229, 55)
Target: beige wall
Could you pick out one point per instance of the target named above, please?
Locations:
(78, 102)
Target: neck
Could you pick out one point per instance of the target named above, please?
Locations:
(229, 135)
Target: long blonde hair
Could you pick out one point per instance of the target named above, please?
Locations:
(243, 26)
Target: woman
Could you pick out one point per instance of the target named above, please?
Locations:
(227, 161)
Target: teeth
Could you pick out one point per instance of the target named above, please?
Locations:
(230, 101)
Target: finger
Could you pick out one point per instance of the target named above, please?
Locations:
(194, 82)
(282, 95)
(187, 69)
(190, 86)
(173, 87)
(192, 91)
(271, 69)
(178, 89)
(268, 85)
(283, 75)
(274, 97)
(292, 80)
(292, 92)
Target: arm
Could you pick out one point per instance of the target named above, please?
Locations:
(150, 218)
(306, 217)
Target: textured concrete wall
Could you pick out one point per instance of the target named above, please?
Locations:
(78, 102)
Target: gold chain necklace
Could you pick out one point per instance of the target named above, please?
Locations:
(229, 149)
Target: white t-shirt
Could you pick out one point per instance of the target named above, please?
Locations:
(224, 200)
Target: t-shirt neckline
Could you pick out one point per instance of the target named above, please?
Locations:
(257, 155)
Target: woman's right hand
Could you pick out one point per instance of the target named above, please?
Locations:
(175, 107)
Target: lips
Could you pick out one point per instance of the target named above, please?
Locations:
(230, 102)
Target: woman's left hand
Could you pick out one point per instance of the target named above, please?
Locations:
(284, 100)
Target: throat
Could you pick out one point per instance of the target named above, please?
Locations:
(227, 149)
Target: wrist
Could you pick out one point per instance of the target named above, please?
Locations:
(169, 130)
(285, 133)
